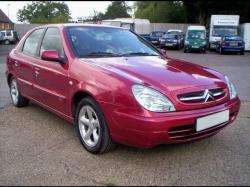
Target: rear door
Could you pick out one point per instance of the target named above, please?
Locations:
(24, 62)
(51, 83)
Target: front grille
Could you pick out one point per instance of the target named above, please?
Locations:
(188, 132)
(202, 96)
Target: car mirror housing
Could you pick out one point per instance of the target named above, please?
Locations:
(52, 55)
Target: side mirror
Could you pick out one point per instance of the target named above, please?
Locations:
(52, 55)
(163, 52)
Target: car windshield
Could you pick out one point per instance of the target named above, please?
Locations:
(195, 34)
(170, 36)
(107, 42)
(157, 34)
(225, 31)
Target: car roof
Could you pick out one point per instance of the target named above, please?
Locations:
(61, 25)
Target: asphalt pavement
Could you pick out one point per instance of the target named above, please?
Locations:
(39, 148)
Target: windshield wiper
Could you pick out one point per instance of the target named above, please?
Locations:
(140, 54)
(101, 54)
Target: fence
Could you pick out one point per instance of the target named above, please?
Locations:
(167, 26)
(23, 28)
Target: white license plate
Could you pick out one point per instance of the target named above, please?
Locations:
(195, 46)
(212, 120)
(154, 41)
(168, 44)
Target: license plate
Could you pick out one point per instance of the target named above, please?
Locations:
(168, 44)
(154, 42)
(233, 44)
(194, 46)
(212, 120)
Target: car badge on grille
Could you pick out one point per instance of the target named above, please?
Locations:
(207, 95)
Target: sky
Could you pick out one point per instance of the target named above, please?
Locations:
(77, 8)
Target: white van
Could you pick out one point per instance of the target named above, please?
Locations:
(195, 39)
(140, 26)
(245, 34)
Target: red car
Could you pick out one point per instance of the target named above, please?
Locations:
(114, 86)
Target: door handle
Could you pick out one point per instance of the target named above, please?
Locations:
(36, 73)
(16, 63)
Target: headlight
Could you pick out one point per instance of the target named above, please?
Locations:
(175, 41)
(231, 88)
(186, 42)
(151, 99)
(204, 43)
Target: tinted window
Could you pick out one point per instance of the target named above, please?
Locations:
(8, 33)
(52, 41)
(3, 33)
(105, 41)
(31, 43)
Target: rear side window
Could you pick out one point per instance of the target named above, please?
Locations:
(3, 33)
(31, 43)
(52, 41)
(8, 33)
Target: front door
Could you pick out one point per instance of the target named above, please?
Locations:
(51, 83)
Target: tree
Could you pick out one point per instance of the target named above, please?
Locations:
(161, 11)
(190, 11)
(201, 11)
(44, 12)
(117, 9)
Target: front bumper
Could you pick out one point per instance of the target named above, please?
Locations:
(168, 128)
(196, 48)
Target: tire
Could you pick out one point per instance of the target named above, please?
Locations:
(6, 42)
(94, 136)
(242, 52)
(17, 99)
(185, 50)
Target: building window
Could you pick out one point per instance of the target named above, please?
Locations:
(2, 25)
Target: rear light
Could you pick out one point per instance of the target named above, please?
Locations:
(223, 43)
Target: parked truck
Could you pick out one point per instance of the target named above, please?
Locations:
(139, 26)
(245, 34)
(222, 25)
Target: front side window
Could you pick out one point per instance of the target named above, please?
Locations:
(52, 41)
(3, 33)
(105, 41)
(31, 43)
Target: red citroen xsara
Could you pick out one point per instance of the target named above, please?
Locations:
(116, 87)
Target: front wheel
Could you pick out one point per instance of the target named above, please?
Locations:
(242, 53)
(91, 127)
(17, 99)
(6, 42)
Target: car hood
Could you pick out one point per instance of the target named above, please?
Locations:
(168, 75)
